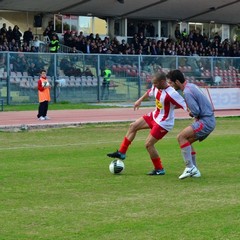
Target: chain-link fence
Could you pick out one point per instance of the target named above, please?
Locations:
(78, 78)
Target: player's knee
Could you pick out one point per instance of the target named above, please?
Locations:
(132, 127)
(148, 145)
(179, 137)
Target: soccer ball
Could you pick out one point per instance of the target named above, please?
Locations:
(45, 84)
(116, 166)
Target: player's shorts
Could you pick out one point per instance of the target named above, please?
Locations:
(156, 130)
(203, 127)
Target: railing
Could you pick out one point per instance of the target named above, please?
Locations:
(131, 75)
(44, 47)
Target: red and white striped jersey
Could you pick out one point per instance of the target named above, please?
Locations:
(166, 101)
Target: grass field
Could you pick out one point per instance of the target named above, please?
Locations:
(55, 184)
(52, 106)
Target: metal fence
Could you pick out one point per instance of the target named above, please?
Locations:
(72, 81)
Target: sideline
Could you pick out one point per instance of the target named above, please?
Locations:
(24, 120)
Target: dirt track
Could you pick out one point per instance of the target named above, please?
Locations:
(28, 119)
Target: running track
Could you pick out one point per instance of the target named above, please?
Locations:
(61, 118)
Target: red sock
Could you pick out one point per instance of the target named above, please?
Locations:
(124, 146)
(186, 144)
(157, 163)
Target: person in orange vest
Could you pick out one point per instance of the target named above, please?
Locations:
(43, 96)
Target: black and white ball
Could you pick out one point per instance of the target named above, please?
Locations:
(116, 166)
(45, 84)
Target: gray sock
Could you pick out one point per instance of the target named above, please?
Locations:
(187, 156)
(194, 160)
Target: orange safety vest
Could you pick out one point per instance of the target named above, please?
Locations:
(43, 92)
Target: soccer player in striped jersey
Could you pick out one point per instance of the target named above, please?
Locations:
(160, 121)
(200, 109)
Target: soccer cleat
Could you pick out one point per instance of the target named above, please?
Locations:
(189, 172)
(47, 118)
(117, 154)
(157, 172)
(197, 174)
(41, 118)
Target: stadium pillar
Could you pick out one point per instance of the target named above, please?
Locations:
(110, 23)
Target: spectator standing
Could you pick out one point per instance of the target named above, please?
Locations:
(177, 34)
(131, 30)
(106, 82)
(151, 30)
(67, 37)
(9, 34)
(184, 35)
(3, 30)
(54, 44)
(16, 34)
(43, 96)
(217, 38)
(48, 32)
(28, 36)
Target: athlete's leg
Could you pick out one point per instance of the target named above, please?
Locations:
(139, 124)
(194, 156)
(45, 108)
(107, 91)
(185, 138)
(41, 110)
(103, 90)
(153, 153)
(156, 133)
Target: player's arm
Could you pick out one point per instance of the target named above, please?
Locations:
(193, 106)
(40, 87)
(137, 104)
(177, 100)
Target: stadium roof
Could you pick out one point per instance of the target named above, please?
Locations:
(218, 11)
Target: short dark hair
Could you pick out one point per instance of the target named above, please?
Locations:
(176, 75)
(169, 74)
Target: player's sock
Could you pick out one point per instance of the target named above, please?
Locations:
(186, 150)
(194, 158)
(124, 146)
(157, 163)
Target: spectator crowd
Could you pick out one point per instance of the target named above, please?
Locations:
(182, 44)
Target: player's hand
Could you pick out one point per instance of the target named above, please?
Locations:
(191, 115)
(137, 105)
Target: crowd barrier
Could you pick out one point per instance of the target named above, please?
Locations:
(131, 76)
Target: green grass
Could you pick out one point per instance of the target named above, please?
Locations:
(55, 184)
(53, 106)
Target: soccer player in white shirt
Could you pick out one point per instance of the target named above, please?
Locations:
(160, 121)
